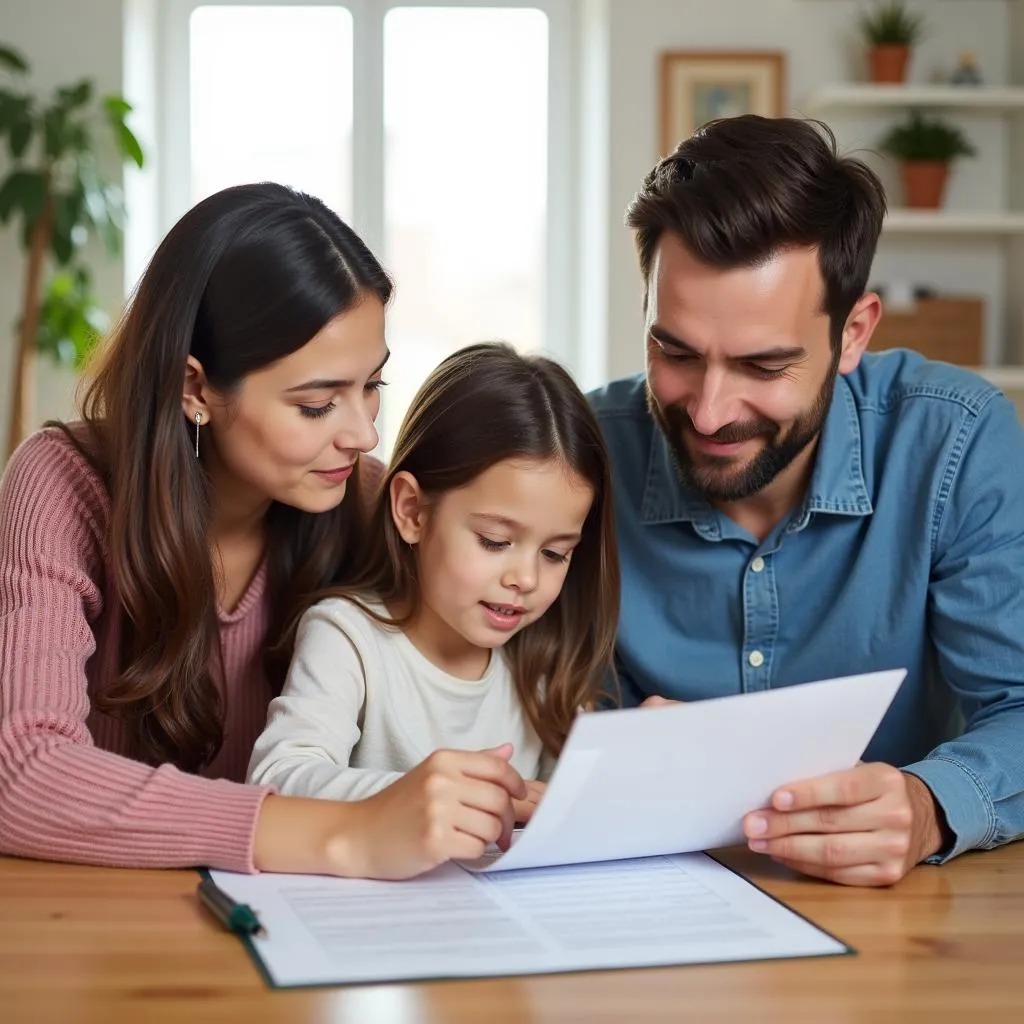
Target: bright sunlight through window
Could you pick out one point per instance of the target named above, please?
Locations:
(271, 99)
(465, 115)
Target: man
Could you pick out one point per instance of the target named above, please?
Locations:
(790, 508)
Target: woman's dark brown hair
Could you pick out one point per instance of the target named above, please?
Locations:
(743, 188)
(246, 277)
(483, 405)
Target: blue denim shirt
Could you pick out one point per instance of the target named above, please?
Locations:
(907, 552)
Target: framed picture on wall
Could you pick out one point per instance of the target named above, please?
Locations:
(698, 86)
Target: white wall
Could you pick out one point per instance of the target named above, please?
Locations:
(819, 37)
(62, 40)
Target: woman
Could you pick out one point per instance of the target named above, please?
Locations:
(153, 556)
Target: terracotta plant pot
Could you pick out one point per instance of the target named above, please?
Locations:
(888, 63)
(924, 183)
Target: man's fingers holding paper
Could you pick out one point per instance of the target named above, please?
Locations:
(867, 817)
(859, 785)
(655, 701)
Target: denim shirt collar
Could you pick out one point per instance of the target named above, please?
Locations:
(837, 481)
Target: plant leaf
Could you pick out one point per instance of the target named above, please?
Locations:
(21, 135)
(918, 137)
(70, 321)
(117, 107)
(73, 96)
(12, 59)
(68, 229)
(24, 190)
(62, 246)
(129, 144)
(8, 196)
(13, 109)
(54, 130)
(61, 285)
(891, 24)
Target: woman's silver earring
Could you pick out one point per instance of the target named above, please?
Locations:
(199, 420)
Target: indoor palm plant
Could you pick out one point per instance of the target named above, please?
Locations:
(925, 147)
(890, 31)
(56, 189)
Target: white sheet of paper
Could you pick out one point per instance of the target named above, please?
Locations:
(454, 924)
(640, 782)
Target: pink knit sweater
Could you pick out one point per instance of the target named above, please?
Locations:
(67, 792)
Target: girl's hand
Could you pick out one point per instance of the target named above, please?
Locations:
(452, 805)
(523, 809)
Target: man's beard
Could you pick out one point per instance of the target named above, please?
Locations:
(710, 476)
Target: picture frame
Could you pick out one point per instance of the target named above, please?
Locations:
(698, 86)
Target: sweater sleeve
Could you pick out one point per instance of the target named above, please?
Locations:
(61, 797)
(314, 726)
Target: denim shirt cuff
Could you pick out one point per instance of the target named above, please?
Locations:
(966, 804)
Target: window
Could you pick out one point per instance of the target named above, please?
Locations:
(270, 99)
(440, 132)
(465, 195)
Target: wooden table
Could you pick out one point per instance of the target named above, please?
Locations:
(80, 944)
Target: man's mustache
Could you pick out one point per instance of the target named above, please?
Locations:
(731, 433)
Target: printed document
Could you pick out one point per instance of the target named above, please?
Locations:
(450, 923)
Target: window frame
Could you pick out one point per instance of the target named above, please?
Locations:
(173, 134)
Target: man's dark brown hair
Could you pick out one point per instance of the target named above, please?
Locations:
(744, 188)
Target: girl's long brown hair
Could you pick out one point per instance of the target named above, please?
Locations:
(243, 279)
(483, 405)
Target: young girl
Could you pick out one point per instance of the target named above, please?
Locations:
(482, 619)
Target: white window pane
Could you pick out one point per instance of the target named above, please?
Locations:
(465, 115)
(271, 99)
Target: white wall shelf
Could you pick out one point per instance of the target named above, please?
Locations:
(929, 232)
(953, 222)
(966, 98)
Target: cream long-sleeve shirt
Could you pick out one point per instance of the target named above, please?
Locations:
(361, 706)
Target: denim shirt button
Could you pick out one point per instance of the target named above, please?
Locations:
(757, 565)
(756, 658)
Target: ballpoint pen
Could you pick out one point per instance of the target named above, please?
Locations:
(239, 917)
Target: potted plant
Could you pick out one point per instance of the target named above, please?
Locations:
(890, 30)
(56, 187)
(925, 147)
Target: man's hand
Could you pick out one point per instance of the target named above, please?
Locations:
(658, 702)
(868, 825)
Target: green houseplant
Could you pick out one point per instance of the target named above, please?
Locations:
(925, 147)
(56, 189)
(890, 31)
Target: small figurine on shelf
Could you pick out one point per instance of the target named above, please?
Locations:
(966, 71)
